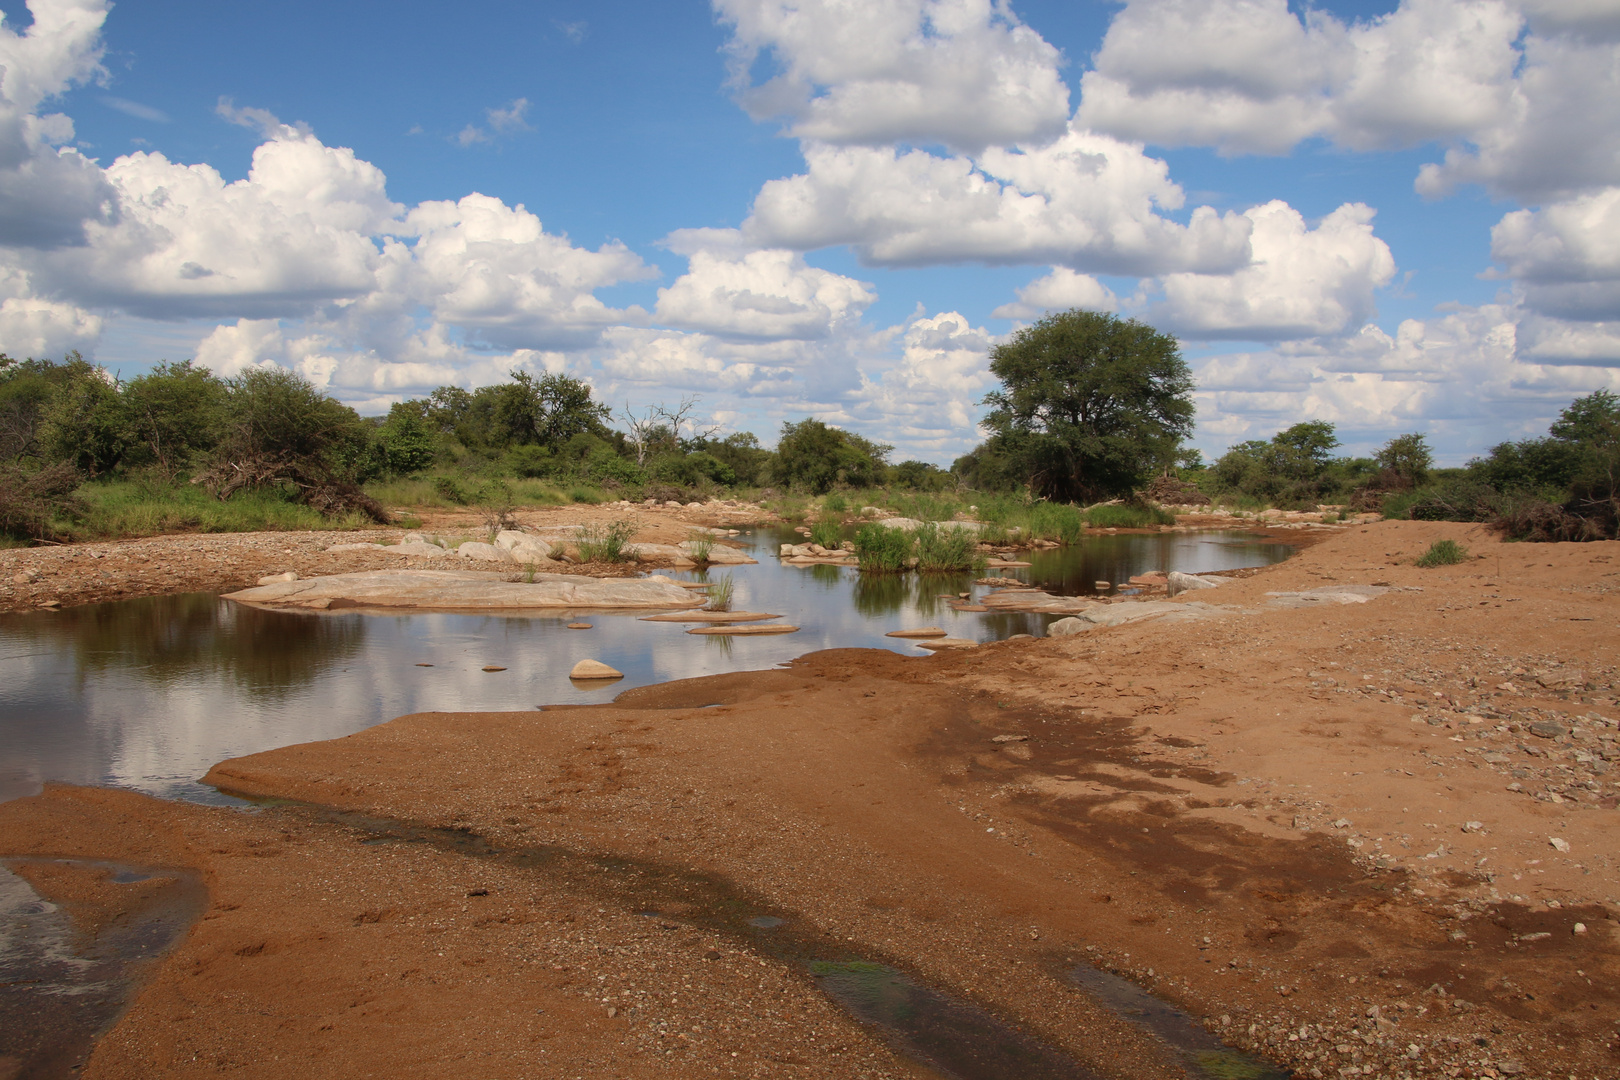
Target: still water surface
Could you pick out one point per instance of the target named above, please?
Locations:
(148, 693)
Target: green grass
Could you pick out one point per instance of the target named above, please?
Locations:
(427, 491)
(720, 594)
(1057, 522)
(700, 546)
(606, 543)
(1443, 553)
(829, 534)
(580, 493)
(882, 550)
(1128, 517)
(947, 549)
(834, 504)
(125, 508)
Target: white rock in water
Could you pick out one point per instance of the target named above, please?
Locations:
(594, 669)
(472, 549)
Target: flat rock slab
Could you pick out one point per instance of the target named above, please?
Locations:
(921, 632)
(737, 631)
(1329, 594)
(1100, 615)
(948, 643)
(1034, 600)
(1011, 564)
(465, 590)
(708, 617)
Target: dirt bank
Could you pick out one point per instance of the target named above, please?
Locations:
(1369, 839)
(69, 574)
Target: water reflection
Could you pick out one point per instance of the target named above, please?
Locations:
(171, 640)
(149, 693)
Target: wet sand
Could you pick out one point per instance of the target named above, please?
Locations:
(1283, 820)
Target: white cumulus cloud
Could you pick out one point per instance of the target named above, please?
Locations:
(1250, 76)
(1085, 201)
(928, 401)
(1059, 290)
(1302, 282)
(963, 73)
(761, 294)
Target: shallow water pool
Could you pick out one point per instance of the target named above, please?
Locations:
(148, 693)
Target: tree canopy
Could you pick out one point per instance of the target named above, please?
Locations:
(1089, 406)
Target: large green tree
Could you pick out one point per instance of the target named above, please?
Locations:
(1090, 404)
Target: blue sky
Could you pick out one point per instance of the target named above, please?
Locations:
(849, 240)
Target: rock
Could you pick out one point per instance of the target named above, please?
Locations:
(579, 626)
(1548, 729)
(493, 667)
(594, 669)
(1330, 594)
(467, 589)
(419, 548)
(271, 579)
(1102, 586)
(1343, 823)
(948, 643)
(745, 629)
(473, 549)
(709, 617)
(1563, 679)
(1179, 583)
(1152, 577)
(920, 632)
(1558, 844)
(354, 547)
(719, 554)
(1473, 827)
(1020, 637)
(1010, 738)
(1578, 928)
(510, 538)
(1068, 627)
(24, 577)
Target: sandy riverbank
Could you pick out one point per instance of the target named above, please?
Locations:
(1240, 812)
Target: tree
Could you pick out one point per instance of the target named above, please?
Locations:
(84, 423)
(173, 414)
(545, 411)
(406, 439)
(814, 456)
(1090, 405)
(1407, 457)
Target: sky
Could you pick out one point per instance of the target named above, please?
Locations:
(1390, 217)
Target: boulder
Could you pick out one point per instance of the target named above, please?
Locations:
(468, 590)
(420, 548)
(594, 669)
(271, 579)
(1068, 627)
(473, 549)
(1180, 583)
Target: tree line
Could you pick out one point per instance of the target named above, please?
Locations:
(1088, 407)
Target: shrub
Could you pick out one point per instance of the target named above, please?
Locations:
(1122, 516)
(450, 491)
(882, 550)
(834, 504)
(1057, 521)
(531, 461)
(1443, 553)
(944, 548)
(1463, 499)
(829, 534)
(700, 546)
(720, 594)
(28, 501)
(598, 543)
(579, 493)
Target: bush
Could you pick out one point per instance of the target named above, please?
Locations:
(450, 491)
(1462, 499)
(29, 501)
(1124, 516)
(944, 548)
(1443, 553)
(531, 461)
(881, 549)
(829, 534)
(598, 543)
